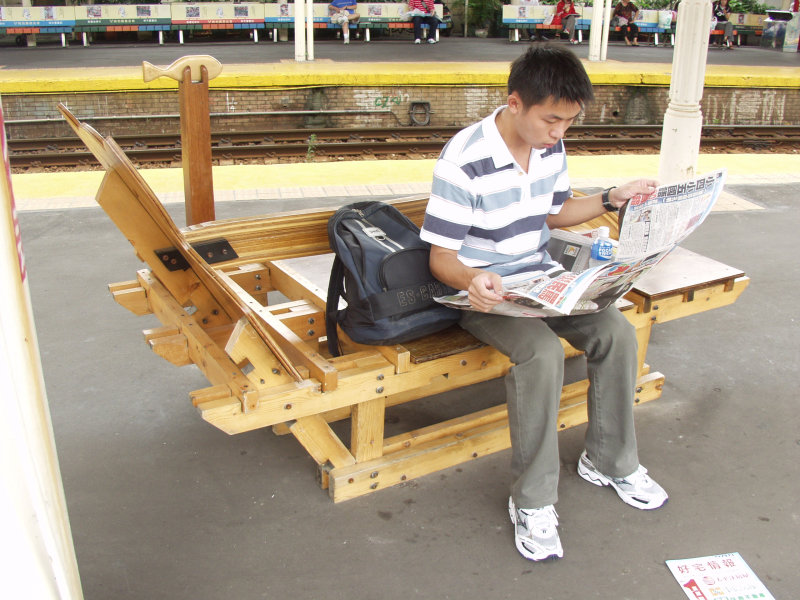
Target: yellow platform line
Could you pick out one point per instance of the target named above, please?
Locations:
(41, 191)
(327, 73)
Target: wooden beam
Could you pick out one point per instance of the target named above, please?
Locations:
(130, 295)
(170, 344)
(198, 182)
(366, 432)
(321, 442)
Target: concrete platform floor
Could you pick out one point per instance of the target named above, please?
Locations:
(164, 506)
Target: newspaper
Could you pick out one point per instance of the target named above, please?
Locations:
(650, 227)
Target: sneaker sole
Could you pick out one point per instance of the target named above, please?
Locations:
(596, 478)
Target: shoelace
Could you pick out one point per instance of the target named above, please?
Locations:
(542, 519)
(639, 478)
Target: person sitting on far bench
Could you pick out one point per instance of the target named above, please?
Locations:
(624, 15)
(565, 16)
(422, 11)
(499, 187)
(344, 13)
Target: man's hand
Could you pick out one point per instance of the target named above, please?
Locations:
(484, 287)
(620, 195)
(485, 291)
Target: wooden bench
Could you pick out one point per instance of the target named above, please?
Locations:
(213, 288)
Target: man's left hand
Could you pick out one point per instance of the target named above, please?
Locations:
(619, 196)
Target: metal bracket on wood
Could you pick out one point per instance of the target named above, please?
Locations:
(212, 251)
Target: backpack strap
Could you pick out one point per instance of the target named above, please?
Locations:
(335, 289)
(397, 301)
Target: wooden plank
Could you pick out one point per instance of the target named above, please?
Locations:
(117, 199)
(362, 478)
(198, 182)
(446, 428)
(286, 235)
(366, 432)
(681, 271)
(170, 344)
(304, 277)
(244, 346)
(132, 297)
(252, 278)
(321, 442)
(295, 349)
(669, 308)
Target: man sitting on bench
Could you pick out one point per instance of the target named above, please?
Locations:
(498, 187)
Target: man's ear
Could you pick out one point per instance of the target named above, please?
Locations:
(515, 103)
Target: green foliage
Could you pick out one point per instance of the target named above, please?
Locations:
(312, 147)
(482, 13)
(748, 6)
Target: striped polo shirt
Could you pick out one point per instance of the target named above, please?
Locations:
(485, 206)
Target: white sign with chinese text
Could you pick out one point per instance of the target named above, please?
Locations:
(720, 577)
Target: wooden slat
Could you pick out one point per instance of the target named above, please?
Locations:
(170, 344)
(244, 346)
(198, 184)
(321, 442)
(366, 432)
(681, 271)
(132, 297)
(669, 308)
(286, 235)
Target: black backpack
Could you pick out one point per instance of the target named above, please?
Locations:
(381, 270)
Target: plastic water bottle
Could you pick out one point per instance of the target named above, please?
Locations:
(603, 248)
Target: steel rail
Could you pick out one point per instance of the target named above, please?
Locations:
(159, 148)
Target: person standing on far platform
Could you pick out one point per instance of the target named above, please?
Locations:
(624, 15)
(499, 187)
(422, 11)
(344, 13)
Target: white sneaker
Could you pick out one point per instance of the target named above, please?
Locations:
(417, 41)
(431, 41)
(637, 489)
(535, 532)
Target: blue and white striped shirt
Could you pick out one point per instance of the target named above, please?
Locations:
(485, 206)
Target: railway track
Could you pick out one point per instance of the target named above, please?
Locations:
(304, 144)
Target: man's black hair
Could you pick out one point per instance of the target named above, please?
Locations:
(549, 71)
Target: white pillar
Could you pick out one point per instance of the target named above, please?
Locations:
(683, 120)
(310, 29)
(606, 23)
(300, 30)
(598, 30)
(39, 561)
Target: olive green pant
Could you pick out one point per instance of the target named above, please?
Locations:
(533, 393)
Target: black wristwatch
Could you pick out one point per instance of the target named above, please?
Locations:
(606, 202)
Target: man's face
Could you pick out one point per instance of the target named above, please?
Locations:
(542, 125)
